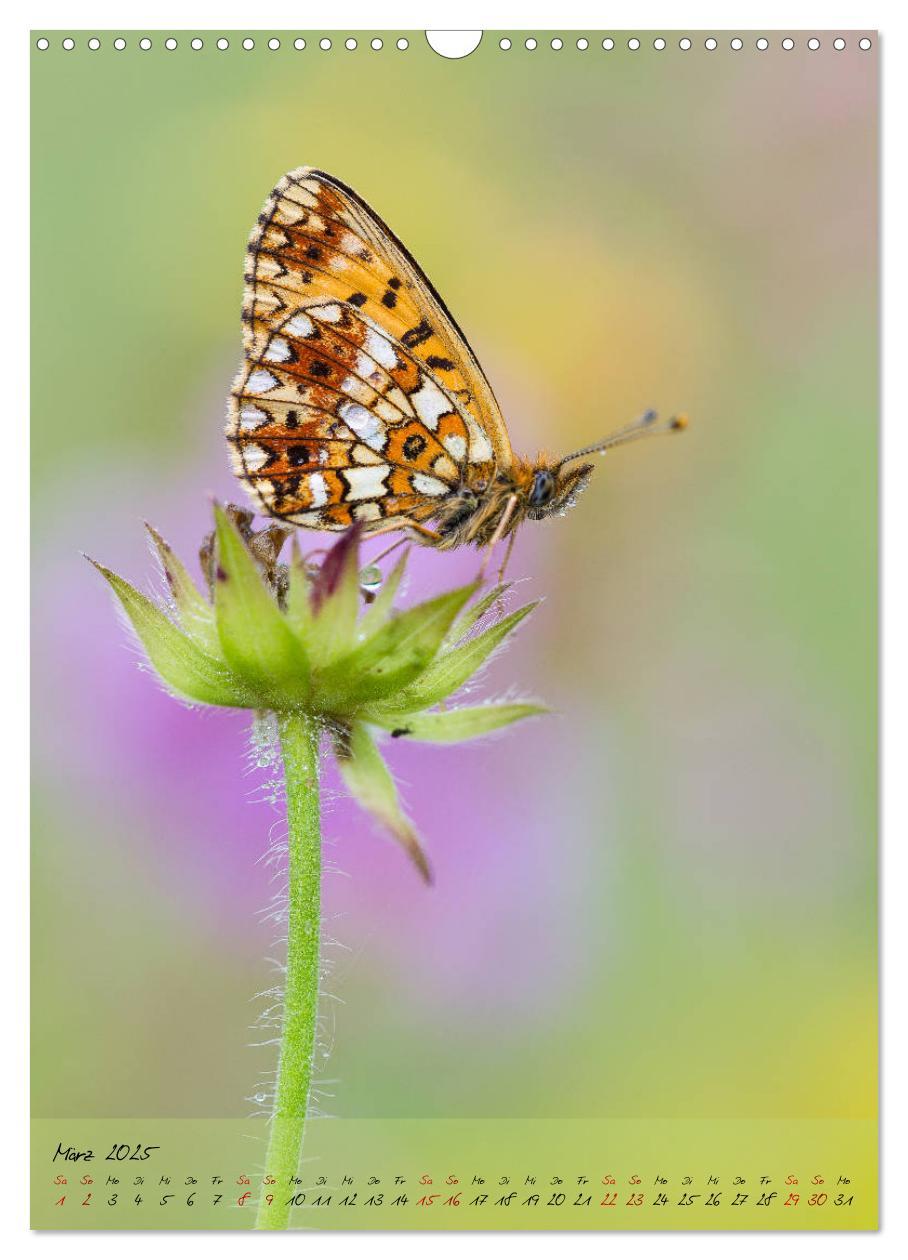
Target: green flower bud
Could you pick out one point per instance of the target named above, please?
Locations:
(300, 639)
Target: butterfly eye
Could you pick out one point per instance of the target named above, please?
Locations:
(543, 488)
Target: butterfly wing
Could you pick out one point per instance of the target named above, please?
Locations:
(359, 398)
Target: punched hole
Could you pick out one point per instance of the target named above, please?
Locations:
(453, 44)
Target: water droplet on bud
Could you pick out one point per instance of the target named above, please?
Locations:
(370, 579)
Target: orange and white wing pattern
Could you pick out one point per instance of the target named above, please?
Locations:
(358, 398)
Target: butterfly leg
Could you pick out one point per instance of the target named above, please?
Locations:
(430, 536)
(387, 551)
(507, 556)
(404, 523)
(497, 537)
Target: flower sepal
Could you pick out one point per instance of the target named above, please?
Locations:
(183, 667)
(454, 726)
(256, 639)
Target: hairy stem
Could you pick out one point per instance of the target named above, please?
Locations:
(299, 737)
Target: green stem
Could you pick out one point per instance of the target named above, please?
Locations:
(299, 747)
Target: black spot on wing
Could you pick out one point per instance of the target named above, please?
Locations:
(414, 446)
(416, 336)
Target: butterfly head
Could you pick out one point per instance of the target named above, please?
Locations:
(555, 487)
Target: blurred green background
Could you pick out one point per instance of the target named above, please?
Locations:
(661, 902)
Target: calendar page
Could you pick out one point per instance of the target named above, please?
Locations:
(455, 622)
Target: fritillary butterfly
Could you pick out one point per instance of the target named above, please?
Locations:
(359, 399)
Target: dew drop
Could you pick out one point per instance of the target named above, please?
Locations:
(370, 579)
(260, 1098)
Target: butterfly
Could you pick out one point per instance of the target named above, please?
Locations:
(359, 398)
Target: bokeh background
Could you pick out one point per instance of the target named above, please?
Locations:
(661, 901)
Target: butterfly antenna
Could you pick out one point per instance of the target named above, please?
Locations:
(644, 426)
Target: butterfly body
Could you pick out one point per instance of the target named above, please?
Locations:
(359, 399)
(486, 508)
